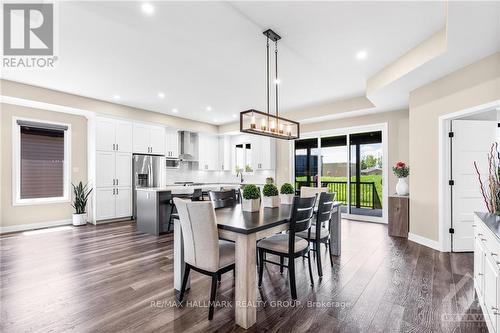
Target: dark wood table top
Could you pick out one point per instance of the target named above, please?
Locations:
(234, 219)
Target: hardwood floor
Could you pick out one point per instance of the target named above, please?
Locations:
(112, 278)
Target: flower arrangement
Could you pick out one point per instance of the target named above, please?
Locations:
(401, 170)
(491, 190)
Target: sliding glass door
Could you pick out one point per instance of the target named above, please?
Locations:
(350, 165)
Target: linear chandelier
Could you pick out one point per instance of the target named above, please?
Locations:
(267, 124)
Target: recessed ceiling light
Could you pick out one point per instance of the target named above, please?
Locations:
(215, 120)
(116, 97)
(148, 8)
(175, 110)
(361, 55)
(234, 116)
(208, 108)
(161, 95)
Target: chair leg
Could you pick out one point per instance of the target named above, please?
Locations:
(212, 297)
(318, 259)
(291, 273)
(282, 259)
(330, 251)
(219, 277)
(310, 268)
(187, 268)
(261, 266)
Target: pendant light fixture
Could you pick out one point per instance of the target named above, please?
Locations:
(267, 124)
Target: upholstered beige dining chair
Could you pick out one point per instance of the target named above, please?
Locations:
(204, 252)
(309, 192)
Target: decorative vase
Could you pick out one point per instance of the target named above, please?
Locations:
(79, 219)
(402, 186)
(287, 199)
(251, 205)
(271, 202)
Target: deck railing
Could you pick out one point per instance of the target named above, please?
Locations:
(368, 196)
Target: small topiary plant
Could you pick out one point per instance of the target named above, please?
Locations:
(251, 192)
(287, 188)
(270, 190)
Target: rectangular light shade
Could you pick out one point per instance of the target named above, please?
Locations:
(261, 123)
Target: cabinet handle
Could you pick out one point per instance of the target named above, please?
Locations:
(494, 308)
(113, 146)
(479, 234)
(493, 254)
(474, 225)
(483, 239)
(113, 191)
(116, 181)
(113, 181)
(116, 146)
(480, 274)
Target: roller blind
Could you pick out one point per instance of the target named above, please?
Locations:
(42, 161)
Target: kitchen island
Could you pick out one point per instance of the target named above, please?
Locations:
(154, 204)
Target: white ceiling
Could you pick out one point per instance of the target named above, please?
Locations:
(213, 53)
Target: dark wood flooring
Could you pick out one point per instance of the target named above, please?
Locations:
(111, 278)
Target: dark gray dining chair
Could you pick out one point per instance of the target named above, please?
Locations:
(222, 199)
(174, 215)
(289, 245)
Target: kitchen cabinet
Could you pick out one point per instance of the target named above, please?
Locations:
(105, 169)
(123, 200)
(225, 153)
(171, 143)
(105, 198)
(208, 152)
(487, 268)
(113, 135)
(148, 139)
(263, 153)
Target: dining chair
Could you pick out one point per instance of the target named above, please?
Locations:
(222, 199)
(289, 245)
(319, 233)
(174, 215)
(307, 192)
(204, 252)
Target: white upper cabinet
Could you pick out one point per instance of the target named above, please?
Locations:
(172, 143)
(149, 139)
(123, 136)
(157, 140)
(142, 139)
(113, 135)
(263, 153)
(208, 152)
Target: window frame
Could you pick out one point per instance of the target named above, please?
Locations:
(16, 165)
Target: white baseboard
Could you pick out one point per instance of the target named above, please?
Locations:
(32, 226)
(425, 241)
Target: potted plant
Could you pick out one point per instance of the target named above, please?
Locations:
(251, 198)
(271, 196)
(81, 194)
(287, 193)
(402, 171)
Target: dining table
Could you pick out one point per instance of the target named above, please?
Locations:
(245, 229)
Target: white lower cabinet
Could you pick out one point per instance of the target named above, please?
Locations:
(105, 203)
(487, 273)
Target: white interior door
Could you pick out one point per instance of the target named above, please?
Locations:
(471, 142)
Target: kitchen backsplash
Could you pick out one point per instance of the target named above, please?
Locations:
(185, 174)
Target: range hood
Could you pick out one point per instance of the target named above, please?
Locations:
(189, 151)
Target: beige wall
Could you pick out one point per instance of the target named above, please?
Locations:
(16, 215)
(470, 86)
(397, 127)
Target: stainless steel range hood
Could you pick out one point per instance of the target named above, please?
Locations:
(189, 142)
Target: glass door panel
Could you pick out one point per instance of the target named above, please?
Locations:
(334, 162)
(306, 163)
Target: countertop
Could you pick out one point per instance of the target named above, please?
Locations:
(492, 221)
(181, 189)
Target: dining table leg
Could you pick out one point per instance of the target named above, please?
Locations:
(246, 283)
(335, 231)
(179, 257)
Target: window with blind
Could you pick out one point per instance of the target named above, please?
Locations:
(41, 167)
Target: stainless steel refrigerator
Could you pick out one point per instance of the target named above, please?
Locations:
(146, 172)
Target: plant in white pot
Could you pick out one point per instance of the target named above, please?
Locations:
(287, 193)
(271, 196)
(81, 193)
(251, 198)
(402, 171)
